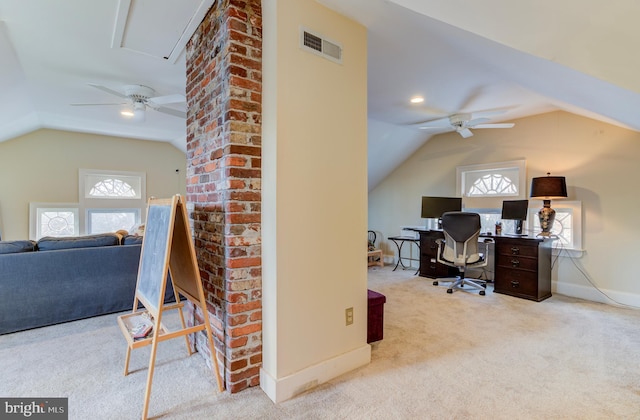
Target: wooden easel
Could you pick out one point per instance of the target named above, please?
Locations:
(166, 247)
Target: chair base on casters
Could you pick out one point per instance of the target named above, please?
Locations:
(459, 283)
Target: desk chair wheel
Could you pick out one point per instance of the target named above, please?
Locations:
(449, 290)
(435, 283)
(482, 293)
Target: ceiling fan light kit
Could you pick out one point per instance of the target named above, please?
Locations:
(136, 112)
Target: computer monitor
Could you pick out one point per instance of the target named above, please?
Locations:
(515, 210)
(434, 207)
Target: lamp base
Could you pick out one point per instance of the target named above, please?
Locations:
(547, 216)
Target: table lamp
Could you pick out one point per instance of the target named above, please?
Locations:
(546, 188)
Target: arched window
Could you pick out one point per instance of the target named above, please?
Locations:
(111, 200)
(483, 187)
(112, 188)
(492, 184)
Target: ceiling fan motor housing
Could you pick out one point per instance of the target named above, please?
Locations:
(459, 120)
(139, 92)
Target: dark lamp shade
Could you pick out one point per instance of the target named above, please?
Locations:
(548, 187)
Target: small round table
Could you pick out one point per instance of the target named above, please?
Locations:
(399, 241)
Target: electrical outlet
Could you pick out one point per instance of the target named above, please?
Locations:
(348, 313)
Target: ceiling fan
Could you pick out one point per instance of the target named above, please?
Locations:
(140, 97)
(463, 122)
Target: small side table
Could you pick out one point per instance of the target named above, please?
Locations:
(399, 241)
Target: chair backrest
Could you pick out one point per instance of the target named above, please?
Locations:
(461, 232)
(372, 239)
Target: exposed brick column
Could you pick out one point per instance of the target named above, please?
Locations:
(224, 94)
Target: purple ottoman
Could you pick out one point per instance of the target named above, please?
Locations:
(375, 316)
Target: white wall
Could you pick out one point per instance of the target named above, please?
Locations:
(314, 200)
(599, 161)
(42, 166)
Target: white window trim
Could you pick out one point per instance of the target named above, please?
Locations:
(135, 211)
(87, 203)
(576, 249)
(489, 201)
(520, 164)
(33, 216)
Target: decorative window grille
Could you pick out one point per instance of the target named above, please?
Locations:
(53, 219)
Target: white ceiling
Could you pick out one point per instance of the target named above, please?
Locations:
(52, 50)
(531, 57)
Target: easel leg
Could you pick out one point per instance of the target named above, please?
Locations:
(186, 337)
(128, 357)
(126, 361)
(214, 353)
(152, 364)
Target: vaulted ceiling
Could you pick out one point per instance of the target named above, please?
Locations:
(523, 58)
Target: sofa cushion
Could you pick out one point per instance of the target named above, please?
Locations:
(12, 247)
(49, 243)
(132, 240)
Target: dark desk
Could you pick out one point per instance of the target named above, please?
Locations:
(399, 241)
(522, 263)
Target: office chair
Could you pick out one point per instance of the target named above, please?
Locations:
(459, 248)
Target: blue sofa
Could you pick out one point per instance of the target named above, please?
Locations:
(65, 279)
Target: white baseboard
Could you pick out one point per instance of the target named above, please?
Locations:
(610, 297)
(282, 389)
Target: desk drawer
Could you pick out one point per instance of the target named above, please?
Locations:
(516, 249)
(519, 282)
(429, 247)
(516, 261)
(429, 267)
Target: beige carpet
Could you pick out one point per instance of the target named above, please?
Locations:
(460, 356)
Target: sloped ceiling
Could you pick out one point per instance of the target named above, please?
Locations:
(525, 57)
(462, 56)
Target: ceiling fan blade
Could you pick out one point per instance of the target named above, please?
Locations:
(433, 128)
(497, 125)
(493, 111)
(465, 132)
(474, 122)
(439, 123)
(169, 99)
(106, 89)
(170, 111)
(119, 103)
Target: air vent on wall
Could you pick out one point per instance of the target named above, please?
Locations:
(321, 46)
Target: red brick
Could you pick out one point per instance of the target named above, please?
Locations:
(239, 386)
(235, 161)
(244, 150)
(246, 330)
(237, 297)
(237, 218)
(238, 342)
(238, 365)
(248, 373)
(237, 308)
(244, 262)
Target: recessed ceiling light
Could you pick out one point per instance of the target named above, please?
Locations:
(417, 100)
